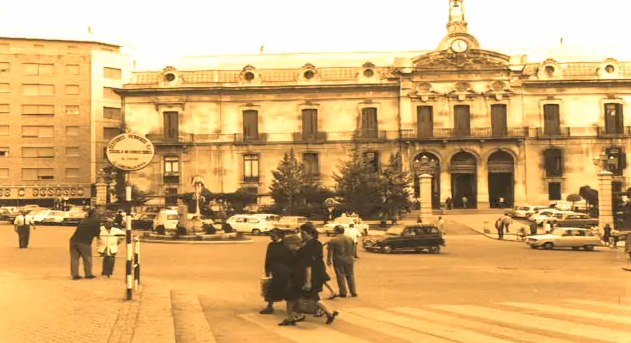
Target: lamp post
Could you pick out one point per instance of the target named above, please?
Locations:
(424, 168)
(605, 206)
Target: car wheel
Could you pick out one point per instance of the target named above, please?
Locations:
(256, 232)
(435, 249)
(589, 248)
(576, 248)
(386, 249)
(548, 245)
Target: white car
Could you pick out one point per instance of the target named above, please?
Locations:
(345, 222)
(55, 218)
(40, 214)
(247, 223)
(542, 215)
(524, 211)
(290, 223)
(565, 237)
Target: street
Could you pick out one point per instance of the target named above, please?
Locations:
(478, 289)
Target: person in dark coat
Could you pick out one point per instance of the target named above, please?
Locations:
(533, 228)
(277, 261)
(81, 245)
(606, 233)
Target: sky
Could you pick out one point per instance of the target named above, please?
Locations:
(155, 32)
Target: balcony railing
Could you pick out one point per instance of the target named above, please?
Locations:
(250, 139)
(603, 132)
(370, 135)
(182, 138)
(251, 179)
(473, 133)
(309, 137)
(171, 178)
(553, 132)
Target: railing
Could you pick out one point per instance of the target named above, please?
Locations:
(171, 179)
(473, 133)
(182, 138)
(370, 135)
(258, 138)
(251, 179)
(553, 132)
(603, 132)
(309, 137)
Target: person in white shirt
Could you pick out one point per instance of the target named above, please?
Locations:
(22, 224)
(351, 231)
(109, 239)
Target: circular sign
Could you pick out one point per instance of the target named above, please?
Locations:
(130, 151)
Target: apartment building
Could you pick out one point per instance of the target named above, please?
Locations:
(58, 108)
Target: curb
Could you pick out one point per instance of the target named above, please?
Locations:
(193, 242)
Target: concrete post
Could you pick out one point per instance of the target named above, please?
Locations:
(605, 206)
(426, 198)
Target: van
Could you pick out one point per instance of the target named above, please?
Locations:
(166, 220)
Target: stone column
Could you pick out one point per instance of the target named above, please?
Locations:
(605, 206)
(483, 186)
(426, 198)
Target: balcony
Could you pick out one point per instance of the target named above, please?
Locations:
(161, 139)
(370, 135)
(473, 133)
(260, 138)
(617, 132)
(553, 132)
(316, 137)
(171, 178)
(251, 179)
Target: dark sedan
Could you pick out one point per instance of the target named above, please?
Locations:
(143, 222)
(417, 238)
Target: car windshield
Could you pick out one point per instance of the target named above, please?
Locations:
(172, 217)
(558, 232)
(395, 230)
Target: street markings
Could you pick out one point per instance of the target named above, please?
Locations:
(499, 322)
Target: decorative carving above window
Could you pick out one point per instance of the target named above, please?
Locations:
(498, 90)
(423, 92)
(170, 76)
(609, 69)
(368, 73)
(308, 73)
(461, 91)
(472, 59)
(549, 69)
(249, 75)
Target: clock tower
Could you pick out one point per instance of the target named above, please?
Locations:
(458, 39)
(457, 23)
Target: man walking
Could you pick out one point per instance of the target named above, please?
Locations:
(22, 224)
(341, 254)
(506, 221)
(81, 245)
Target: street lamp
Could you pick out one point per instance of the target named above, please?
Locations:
(605, 176)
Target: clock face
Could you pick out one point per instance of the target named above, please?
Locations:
(459, 45)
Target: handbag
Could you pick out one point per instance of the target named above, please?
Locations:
(266, 284)
(304, 305)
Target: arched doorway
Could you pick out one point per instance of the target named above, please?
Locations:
(464, 180)
(427, 163)
(501, 179)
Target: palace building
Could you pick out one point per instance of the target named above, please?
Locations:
(58, 109)
(484, 124)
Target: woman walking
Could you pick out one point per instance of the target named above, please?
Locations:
(277, 261)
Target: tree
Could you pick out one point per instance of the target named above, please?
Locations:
(358, 185)
(287, 188)
(394, 185)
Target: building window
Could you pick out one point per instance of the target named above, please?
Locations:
(4, 152)
(251, 168)
(72, 131)
(35, 174)
(72, 151)
(250, 125)
(72, 89)
(72, 173)
(45, 110)
(72, 69)
(310, 164)
(553, 162)
(170, 196)
(37, 131)
(371, 160)
(462, 120)
(4, 130)
(551, 119)
(111, 113)
(38, 69)
(614, 122)
(554, 191)
(309, 123)
(4, 173)
(369, 123)
(616, 160)
(499, 126)
(72, 110)
(5, 88)
(4, 108)
(110, 132)
(424, 121)
(171, 125)
(36, 89)
(110, 93)
(38, 152)
(171, 169)
(112, 73)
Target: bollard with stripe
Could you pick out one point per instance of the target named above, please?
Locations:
(128, 255)
(136, 262)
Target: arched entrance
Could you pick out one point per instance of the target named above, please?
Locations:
(501, 179)
(427, 163)
(464, 180)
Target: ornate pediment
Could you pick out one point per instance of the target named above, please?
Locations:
(498, 90)
(472, 59)
(423, 92)
(461, 91)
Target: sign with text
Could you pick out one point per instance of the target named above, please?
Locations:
(129, 151)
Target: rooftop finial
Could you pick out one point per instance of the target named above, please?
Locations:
(456, 23)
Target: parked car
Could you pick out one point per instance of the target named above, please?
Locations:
(523, 211)
(247, 223)
(166, 220)
(54, 218)
(418, 238)
(38, 215)
(8, 212)
(542, 215)
(290, 223)
(563, 205)
(565, 237)
(573, 220)
(75, 215)
(143, 221)
(345, 222)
